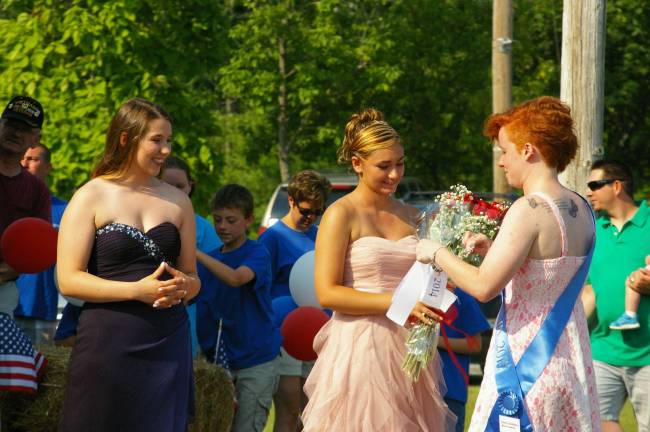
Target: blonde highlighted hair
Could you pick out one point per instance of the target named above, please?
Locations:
(366, 132)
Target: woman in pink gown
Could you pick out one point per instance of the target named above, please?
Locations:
(365, 245)
(543, 241)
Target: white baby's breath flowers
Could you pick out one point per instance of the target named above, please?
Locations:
(446, 220)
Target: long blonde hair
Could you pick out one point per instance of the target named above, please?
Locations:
(132, 118)
(365, 132)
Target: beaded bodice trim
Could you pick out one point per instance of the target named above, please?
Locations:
(147, 243)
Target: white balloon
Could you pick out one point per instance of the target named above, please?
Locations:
(72, 300)
(301, 281)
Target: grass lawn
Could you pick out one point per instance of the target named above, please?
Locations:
(627, 416)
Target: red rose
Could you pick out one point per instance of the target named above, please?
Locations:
(480, 208)
(493, 213)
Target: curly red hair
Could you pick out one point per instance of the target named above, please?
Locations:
(544, 122)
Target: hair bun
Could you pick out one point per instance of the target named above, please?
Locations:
(361, 120)
(367, 115)
(356, 124)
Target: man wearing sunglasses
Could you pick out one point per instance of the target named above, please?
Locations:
(621, 359)
(287, 240)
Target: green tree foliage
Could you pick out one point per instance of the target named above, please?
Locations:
(537, 48)
(627, 88)
(216, 66)
(342, 56)
(537, 57)
(83, 59)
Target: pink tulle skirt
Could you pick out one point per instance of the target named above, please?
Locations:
(357, 383)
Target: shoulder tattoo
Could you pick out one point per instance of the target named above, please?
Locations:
(573, 209)
(569, 206)
(534, 204)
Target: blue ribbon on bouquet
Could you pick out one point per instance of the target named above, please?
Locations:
(514, 382)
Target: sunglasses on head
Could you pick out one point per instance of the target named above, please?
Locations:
(306, 212)
(597, 184)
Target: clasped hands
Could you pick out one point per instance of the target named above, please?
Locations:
(163, 294)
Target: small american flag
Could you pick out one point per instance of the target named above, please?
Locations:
(20, 364)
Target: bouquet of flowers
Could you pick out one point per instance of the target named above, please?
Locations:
(456, 212)
(446, 220)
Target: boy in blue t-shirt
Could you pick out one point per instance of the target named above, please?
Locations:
(470, 320)
(287, 240)
(286, 245)
(235, 307)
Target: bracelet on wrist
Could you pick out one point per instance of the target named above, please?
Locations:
(433, 257)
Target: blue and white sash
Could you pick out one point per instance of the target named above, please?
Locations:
(514, 382)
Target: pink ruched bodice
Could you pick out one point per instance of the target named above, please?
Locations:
(376, 264)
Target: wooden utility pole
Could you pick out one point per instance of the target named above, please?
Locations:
(283, 141)
(582, 83)
(501, 78)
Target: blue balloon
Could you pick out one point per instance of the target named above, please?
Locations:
(281, 308)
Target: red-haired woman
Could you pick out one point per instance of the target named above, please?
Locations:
(539, 372)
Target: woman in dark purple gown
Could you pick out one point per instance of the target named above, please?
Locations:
(126, 247)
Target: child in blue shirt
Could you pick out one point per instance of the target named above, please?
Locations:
(286, 245)
(177, 173)
(287, 240)
(471, 321)
(235, 307)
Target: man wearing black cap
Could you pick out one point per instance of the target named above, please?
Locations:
(21, 193)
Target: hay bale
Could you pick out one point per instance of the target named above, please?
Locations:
(215, 400)
(40, 413)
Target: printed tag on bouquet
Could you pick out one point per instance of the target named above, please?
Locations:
(436, 293)
(436, 285)
(420, 284)
(509, 424)
(408, 292)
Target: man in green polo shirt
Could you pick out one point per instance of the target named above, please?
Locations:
(621, 359)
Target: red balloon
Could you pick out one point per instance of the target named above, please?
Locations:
(299, 329)
(29, 245)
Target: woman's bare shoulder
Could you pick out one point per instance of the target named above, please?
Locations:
(339, 217)
(95, 190)
(526, 204)
(566, 202)
(174, 194)
(526, 212)
(86, 202)
(343, 206)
